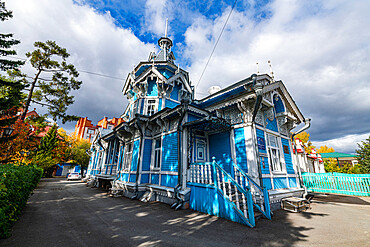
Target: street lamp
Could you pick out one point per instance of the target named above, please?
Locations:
(6, 132)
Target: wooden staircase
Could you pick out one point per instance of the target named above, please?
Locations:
(215, 191)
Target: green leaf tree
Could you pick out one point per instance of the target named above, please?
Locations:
(53, 80)
(10, 90)
(363, 155)
(79, 154)
(6, 43)
(48, 153)
(331, 165)
(10, 100)
(78, 148)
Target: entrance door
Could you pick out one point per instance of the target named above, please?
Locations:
(219, 147)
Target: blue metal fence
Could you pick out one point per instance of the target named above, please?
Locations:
(339, 183)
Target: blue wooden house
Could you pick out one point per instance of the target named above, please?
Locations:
(228, 154)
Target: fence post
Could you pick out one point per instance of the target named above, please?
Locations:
(232, 168)
(266, 198)
(214, 172)
(250, 208)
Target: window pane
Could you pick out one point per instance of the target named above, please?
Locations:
(157, 159)
(272, 141)
(150, 106)
(157, 143)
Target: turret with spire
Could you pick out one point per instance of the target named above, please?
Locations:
(165, 44)
(157, 83)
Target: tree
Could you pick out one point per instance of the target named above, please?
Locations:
(331, 165)
(325, 149)
(53, 80)
(363, 155)
(18, 148)
(51, 151)
(79, 154)
(77, 149)
(10, 100)
(6, 43)
(10, 90)
(304, 137)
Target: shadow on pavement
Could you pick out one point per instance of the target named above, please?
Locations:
(81, 216)
(310, 215)
(340, 199)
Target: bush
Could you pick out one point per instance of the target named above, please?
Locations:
(16, 184)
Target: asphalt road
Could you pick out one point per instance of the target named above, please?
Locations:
(67, 213)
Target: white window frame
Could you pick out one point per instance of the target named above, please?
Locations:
(157, 154)
(128, 156)
(202, 143)
(274, 153)
(150, 106)
(135, 106)
(91, 131)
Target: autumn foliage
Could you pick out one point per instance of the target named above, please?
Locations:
(19, 145)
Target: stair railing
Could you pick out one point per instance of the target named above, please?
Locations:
(213, 174)
(261, 198)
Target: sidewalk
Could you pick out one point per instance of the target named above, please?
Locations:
(62, 213)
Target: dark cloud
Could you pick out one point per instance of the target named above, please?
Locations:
(319, 49)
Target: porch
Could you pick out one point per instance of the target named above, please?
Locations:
(234, 196)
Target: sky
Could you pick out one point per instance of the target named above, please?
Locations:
(319, 49)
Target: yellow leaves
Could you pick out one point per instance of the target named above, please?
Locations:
(303, 136)
(62, 132)
(325, 149)
(22, 157)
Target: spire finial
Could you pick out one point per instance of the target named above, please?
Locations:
(165, 32)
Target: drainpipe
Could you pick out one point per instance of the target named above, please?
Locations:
(178, 187)
(139, 159)
(307, 124)
(258, 87)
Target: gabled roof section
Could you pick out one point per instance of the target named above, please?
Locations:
(130, 79)
(183, 78)
(148, 72)
(244, 87)
(289, 102)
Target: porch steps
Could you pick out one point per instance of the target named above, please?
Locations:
(237, 199)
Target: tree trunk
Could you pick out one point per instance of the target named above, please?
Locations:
(28, 102)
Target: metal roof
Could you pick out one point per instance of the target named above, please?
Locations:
(337, 155)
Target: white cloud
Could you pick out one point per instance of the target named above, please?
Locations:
(346, 144)
(95, 43)
(319, 49)
(155, 19)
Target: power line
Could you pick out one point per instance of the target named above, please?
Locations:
(218, 39)
(93, 73)
(83, 71)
